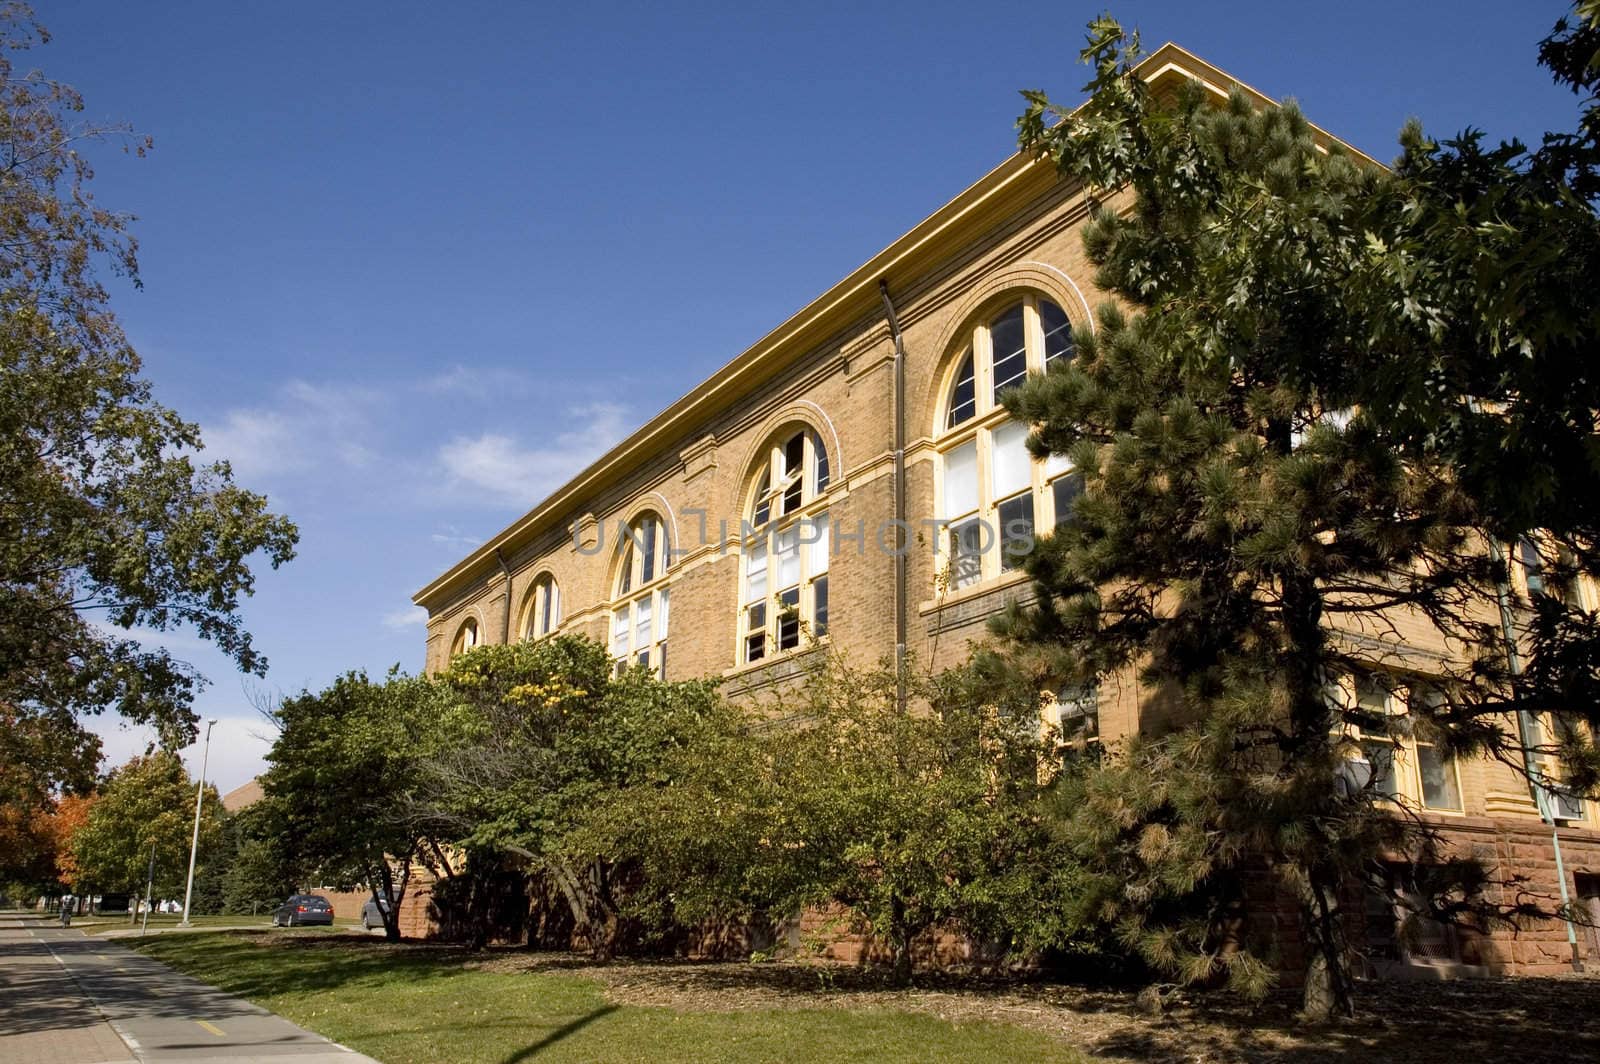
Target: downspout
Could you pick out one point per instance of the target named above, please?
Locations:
(1525, 731)
(505, 628)
(902, 542)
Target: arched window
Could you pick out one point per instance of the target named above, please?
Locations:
(466, 637)
(784, 585)
(542, 610)
(640, 597)
(993, 495)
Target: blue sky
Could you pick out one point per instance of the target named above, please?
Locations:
(411, 266)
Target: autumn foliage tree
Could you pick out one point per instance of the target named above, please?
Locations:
(70, 817)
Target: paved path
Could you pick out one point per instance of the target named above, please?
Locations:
(67, 998)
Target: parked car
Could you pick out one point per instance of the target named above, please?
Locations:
(302, 910)
(374, 912)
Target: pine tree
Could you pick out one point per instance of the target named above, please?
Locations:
(1281, 424)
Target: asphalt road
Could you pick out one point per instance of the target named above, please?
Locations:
(67, 998)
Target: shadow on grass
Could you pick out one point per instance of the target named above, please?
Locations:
(564, 1031)
(256, 964)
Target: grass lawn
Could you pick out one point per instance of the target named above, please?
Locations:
(404, 1005)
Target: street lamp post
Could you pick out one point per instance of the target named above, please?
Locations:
(194, 843)
(149, 889)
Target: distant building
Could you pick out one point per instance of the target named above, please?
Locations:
(245, 794)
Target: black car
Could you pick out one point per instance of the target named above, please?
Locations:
(373, 912)
(302, 910)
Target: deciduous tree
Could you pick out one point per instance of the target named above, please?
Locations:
(838, 795)
(544, 736)
(344, 806)
(259, 874)
(108, 522)
(147, 803)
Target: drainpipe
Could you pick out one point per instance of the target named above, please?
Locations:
(902, 544)
(1526, 727)
(505, 629)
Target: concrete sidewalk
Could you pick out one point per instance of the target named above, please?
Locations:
(67, 998)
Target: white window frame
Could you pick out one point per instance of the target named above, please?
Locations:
(989, 417)
(468, 635)
(641, 604)
(771, 522)
(541, 613)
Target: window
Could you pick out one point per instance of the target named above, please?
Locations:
(785, 578)
(994, 495)
(1394, 756)
(542, 611)
(1560, 729)
(1069, 727)
(1438, 778)
(466, 637)
(1372, 766)
(1439, 783)
(1588, 892)
(1532, 567)
(1543, 565)
(641, 600)
(1064, 491)
(1072, 712)
(1399, 924)
(1338, 419)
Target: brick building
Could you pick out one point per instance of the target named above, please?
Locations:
(800, 437)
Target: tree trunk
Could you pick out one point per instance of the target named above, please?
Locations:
(391, 918)
(607, 932)
(1311, 726)
(567, 883)
(899, 942)
(1317, 1003)
(609, 922)
(477, 913)
(1327, 991)
(588, 896)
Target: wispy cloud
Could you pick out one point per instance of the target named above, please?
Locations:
(480, 383)
(410, 617)
(498, 469)
(451, 536)
(303, 427)
(255, 442)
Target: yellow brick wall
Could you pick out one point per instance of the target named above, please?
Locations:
(843, 389)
